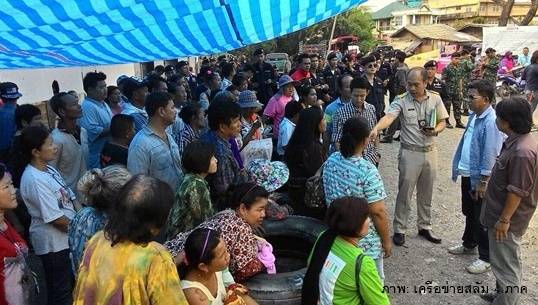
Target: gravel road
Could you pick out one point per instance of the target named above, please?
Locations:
(420, 261)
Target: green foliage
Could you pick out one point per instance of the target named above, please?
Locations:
(356, 22)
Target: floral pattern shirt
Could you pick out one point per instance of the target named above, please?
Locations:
(82, 227)
(240, 241)
(192, 205)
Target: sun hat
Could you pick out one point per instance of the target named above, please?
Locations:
(270, 175)
(248, 99)
(284, 80)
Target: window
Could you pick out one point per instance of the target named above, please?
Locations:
(496, 8)
(468, 9)
(458, 8)
(397, 21)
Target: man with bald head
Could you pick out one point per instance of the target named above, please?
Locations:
(422, 116)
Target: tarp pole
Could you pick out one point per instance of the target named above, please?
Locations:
(332, 34)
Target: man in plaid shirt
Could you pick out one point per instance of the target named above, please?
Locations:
(357, 107)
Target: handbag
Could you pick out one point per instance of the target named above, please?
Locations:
(257, 149)
(314, 192)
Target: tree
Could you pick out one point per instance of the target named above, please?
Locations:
(530, 14)
(507, 9)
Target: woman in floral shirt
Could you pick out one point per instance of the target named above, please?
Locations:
(246, 204)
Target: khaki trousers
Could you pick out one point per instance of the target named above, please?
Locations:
(417, 170)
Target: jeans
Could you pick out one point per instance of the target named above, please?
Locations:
(58, 277)
(474, 234)
(506, 266)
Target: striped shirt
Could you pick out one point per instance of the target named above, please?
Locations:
(348, 111)
(187, 135)
(356, 177)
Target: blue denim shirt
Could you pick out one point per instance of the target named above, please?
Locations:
(7, 125)
(96, 117)
(151, 156)
(486, 144)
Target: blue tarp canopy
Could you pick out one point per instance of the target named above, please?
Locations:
(61, 33)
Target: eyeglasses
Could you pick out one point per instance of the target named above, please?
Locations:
(371, 66)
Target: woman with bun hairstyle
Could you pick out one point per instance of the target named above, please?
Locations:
(100, 187)
(246, 210)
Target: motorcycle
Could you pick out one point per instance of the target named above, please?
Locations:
(511, 83)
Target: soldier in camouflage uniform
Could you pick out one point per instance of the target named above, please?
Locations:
(467, 67)
(452, 76)
(490, 67)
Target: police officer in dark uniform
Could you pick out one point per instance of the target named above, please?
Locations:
(376, 92)
(331, 73)
(264, 79)
(435, 84)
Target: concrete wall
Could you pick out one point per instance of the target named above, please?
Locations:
(36, 84)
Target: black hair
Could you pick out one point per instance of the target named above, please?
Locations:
(156, 100)
(302, 56)
(173, 80)
(32, 137)
(172, 87)
(400, 55)
(110, 90)
(464, 52)
(222, 110)
(120, 125)
(196, 157)
(516, 111)
(188, 112)
(355, 130)
(91, 79)
(345, 216)
(304, 90)
(25, 113)
(367, 59)
(456, 54)
(232, 88)
(3, 171)
(143, 205)
(534, 57)
(305, 134)
(484, 88)
(57, 102)
(292, 109)
(159, 69)
(238, 80)
(246, 193)
(248, 67)
(227, 69)
(199, 248)
(359, 83)
(331, 56)
(153, 81)
(314, 55)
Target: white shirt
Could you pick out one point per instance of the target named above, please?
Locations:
(72, 157)
(47, 198)
(284, 134)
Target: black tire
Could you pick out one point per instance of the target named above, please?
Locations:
(285, 287)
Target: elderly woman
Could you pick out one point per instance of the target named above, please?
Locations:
(246, 211)
(100, 187)
(121, 264)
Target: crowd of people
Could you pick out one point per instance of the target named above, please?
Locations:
(172, 175)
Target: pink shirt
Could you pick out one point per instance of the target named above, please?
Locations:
(275, 110)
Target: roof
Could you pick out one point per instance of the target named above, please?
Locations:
(52, 33)
(436, 31)
(386, 11)
(475, 25)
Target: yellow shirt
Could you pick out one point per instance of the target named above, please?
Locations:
(127, 274)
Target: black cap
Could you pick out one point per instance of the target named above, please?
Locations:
(331, 56)
(133, 83)
(9, 90)
(430, 64)
(258, 52)
(489, 50)
(169, 68)
(181, 64)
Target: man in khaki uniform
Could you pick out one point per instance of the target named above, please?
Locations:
(423, 116)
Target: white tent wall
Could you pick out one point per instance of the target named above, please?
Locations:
(36, 84)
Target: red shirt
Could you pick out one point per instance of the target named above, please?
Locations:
(12, 265)
(300, 74)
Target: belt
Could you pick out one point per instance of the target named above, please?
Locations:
(417, 148)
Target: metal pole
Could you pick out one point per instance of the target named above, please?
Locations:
(332, 34)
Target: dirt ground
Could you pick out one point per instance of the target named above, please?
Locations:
(420, 261)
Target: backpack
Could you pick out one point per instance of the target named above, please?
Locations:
(314, 192)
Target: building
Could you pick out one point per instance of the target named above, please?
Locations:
(425, 38)
(474, 29)
(460, 12)
(397, 15)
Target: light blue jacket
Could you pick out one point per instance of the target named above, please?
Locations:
(486, 144)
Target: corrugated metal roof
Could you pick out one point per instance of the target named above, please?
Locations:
(436, 31)
(386, 12)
